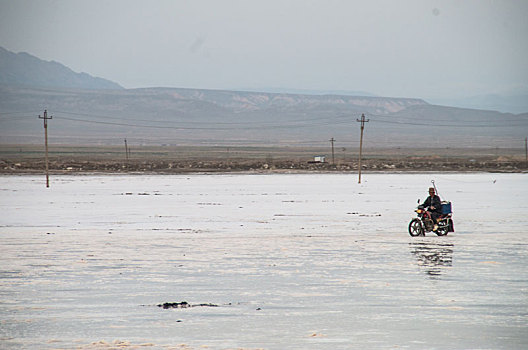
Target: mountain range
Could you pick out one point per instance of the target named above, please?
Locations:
(88, 110)
(514, 103)
(24, 70)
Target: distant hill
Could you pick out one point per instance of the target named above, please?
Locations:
(216, 117)
(247, 101)
(88, 110)
(504, 103)
(25, 70)
(310, 91)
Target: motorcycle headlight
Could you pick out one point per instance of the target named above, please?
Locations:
(419, 211)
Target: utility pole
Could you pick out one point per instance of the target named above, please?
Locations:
(362, 121)
(526, 148)
(46, 118)
(126, 150)
(333, 157)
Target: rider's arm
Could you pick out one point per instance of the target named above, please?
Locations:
(427, 202)
(437, 203)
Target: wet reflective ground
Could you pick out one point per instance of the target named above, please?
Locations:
(288, 261)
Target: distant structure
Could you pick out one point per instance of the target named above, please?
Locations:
(318, 159)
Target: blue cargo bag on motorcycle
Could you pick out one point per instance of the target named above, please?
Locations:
(446, 209)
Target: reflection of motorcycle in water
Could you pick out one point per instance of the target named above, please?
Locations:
(425, 223)
(434, 257)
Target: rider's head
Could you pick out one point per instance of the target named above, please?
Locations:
(431, 191)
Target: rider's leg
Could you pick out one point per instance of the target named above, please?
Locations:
(436, 220)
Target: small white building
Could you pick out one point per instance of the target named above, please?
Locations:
(319, 159)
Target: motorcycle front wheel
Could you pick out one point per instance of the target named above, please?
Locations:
(415, 228)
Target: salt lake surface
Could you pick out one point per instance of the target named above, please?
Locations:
(292, 261)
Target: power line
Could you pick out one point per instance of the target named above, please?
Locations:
(8, 113)
(252, 125)
(319, 119)
(274, 125)
(450, 125)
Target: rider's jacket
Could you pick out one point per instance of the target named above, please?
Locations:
(435, 202)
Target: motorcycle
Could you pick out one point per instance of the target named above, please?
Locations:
(425, 223)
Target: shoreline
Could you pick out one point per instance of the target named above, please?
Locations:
(161, 167)
(78, 159)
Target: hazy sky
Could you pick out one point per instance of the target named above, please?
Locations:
(409, 48)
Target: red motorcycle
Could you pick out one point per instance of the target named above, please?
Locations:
(425, 223)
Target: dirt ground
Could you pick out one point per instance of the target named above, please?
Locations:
(20, 159)
(189, 166)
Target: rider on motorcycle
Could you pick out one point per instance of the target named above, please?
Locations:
(433, 205)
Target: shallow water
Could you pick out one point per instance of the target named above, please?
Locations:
(312, 261)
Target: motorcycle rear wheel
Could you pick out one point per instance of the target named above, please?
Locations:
(443, 230)
(416, 228)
